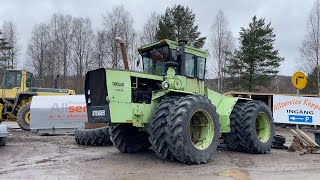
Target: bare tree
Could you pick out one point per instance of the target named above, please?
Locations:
(38, 48)
(82, 46)
(119, 23)
(310, 48)
(150, 29)
(50, 49)
(61, 39)
(9, 31)
(99, 49)
(221, 44)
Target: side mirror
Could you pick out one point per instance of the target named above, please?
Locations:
(138, 62)
(56, 82)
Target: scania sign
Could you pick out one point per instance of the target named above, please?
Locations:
(296, 110)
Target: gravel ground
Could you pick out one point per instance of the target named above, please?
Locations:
(28, 156)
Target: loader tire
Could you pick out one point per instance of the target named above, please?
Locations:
(257, 128)
(23, 117)
(3, 141)
(232, 138)
(128, 139)
(157, 127)
(93, 137)
(194, 130)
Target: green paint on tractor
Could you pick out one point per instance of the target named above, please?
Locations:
(168, 106)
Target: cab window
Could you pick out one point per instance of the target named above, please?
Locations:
(11, 79)
(154, 59)
(201, 62)
(29, 80)
(189, 65)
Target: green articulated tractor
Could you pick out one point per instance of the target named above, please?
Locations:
(168, 108)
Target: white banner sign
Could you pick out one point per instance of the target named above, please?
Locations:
(296, 110)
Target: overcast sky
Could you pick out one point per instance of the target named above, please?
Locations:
(288, 17)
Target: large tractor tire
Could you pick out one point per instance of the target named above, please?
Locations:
(194, 130)
(23, 117)
(232, 139)
(93, 137)
(257, 128)
(128, 139)
(157, 127)
(3, 141)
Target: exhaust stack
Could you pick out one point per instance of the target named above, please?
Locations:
(124, 52)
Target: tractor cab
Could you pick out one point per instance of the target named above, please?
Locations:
(186, 60)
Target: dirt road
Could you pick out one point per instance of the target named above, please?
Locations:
(28, 156)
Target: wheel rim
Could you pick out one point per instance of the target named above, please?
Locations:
(263, 127)
(27, 117)
(201, 130)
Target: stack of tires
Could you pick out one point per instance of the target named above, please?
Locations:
(279, 142)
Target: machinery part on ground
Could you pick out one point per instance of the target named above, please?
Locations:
(194, 130)
(157, 128)
(257, 128)
(128, 139)
(124, 52)
(23, 117)
(93, 137)
(232, 138)
(278, 142)
(3, 134)
(3, 141)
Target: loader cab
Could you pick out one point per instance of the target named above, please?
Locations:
(15, 81)
(187, 61)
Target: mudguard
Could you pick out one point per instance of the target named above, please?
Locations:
(20, 96)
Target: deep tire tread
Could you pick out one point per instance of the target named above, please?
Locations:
(128, 139)
(233, 138)
(179, 143)
(157, 127)
(249, 140)
(93, 137)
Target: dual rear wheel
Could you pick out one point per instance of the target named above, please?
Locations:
(187, 129)
(183, 128)
(252, 128)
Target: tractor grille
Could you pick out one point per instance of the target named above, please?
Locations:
(96, 96)
(96, 87)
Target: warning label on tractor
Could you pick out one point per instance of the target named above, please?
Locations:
(296, 110)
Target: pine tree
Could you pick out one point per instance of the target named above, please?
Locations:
(178, 23)
(256, 62)
(312, 85)
(4, 48)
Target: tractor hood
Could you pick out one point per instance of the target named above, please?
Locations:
(113, 90)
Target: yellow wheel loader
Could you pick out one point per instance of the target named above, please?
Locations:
(16, 93)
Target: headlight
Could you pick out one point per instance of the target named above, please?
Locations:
(165, 85)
